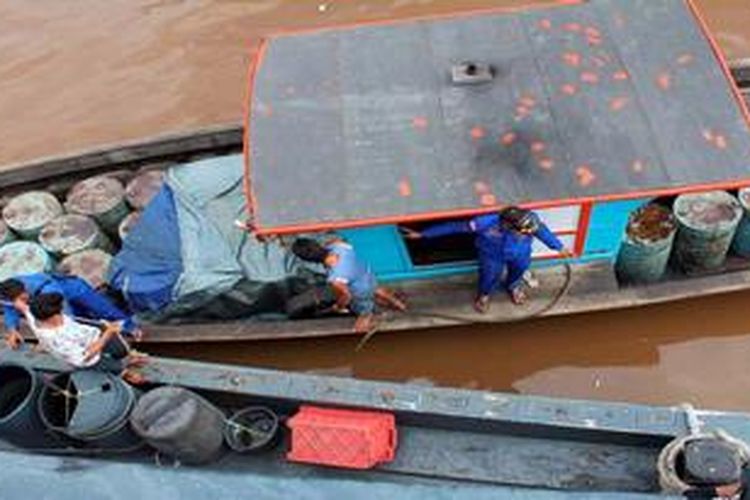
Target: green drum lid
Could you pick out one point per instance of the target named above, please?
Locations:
(708, 211)
(91, 265)
(30, 211)
(128, 223)
(96, 195)
(22, 257)
(143, 188)
(69, 234)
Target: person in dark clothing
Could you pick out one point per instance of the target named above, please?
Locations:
(503, 242)
(80, 300)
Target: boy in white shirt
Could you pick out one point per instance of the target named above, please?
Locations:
(78, 344)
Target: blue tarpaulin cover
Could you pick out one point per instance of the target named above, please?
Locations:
(186, 249)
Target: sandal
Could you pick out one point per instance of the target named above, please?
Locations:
(518, 296)
(482, 304)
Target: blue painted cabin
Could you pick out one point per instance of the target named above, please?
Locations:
(594, 231)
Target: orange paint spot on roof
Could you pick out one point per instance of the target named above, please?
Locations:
(721, 142)
(527, 101)
(589, 77)
(545, 24)
(572, 27)
(508, 138)
(637, 166)
(546, 164)
(585, 175)
(685, 59)
(593, 32)
(488, 200)
(404, 188)
(664, 81)
(618, 103)
(481, 187)
(708, 134)
(419, 122)
(621, 75)
(569, 89)
(594, 41)
(572, 59)
(538, 146)
(599, 61)
(478, 133)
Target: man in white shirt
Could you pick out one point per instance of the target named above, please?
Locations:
(78, 344)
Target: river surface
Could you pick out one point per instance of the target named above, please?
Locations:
(80, 73)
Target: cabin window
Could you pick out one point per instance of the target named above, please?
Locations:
(566, 222)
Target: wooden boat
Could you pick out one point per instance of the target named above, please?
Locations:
(473, 437)
(589, 216)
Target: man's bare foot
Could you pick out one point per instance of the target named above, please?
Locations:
(518, 296)
(133, 377)
(365, 323)
(136, 359)
(482, 304)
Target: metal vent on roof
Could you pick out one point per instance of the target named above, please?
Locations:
(472, 73)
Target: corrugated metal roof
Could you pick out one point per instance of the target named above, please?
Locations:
(595, 100)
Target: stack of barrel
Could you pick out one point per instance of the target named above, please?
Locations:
(77, 235)
(694, 236)
(95, 410)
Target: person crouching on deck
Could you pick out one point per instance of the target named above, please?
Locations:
(503, 242)
(354, 285)
(80, 300)
(77, 344)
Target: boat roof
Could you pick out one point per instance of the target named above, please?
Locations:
(585, 101)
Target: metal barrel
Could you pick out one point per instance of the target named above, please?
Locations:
(91, 265)
(23, 257)
(20, 423)
(143, 188)
(180, 424)
(707, 224)
(6, 235)
(91, 407)
(644, 253)
(102, 198)
(72, 233)
(741, 242)
(28, 213)
(127, 224)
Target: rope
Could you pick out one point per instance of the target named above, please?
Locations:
(475, 320)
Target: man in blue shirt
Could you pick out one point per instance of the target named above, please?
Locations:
(503, 242)
(354, 285)
(80, 300)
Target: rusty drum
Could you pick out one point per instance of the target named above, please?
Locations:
(91, 265)
(143, 188)
(102, 198)
(23, 257)
(72, 233)
(28, 213)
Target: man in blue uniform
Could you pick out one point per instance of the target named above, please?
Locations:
(503, 242)
(80, 300)
(354, 285)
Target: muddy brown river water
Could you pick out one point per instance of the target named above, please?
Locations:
(80, 73)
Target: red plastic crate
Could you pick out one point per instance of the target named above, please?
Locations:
(342, 438)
